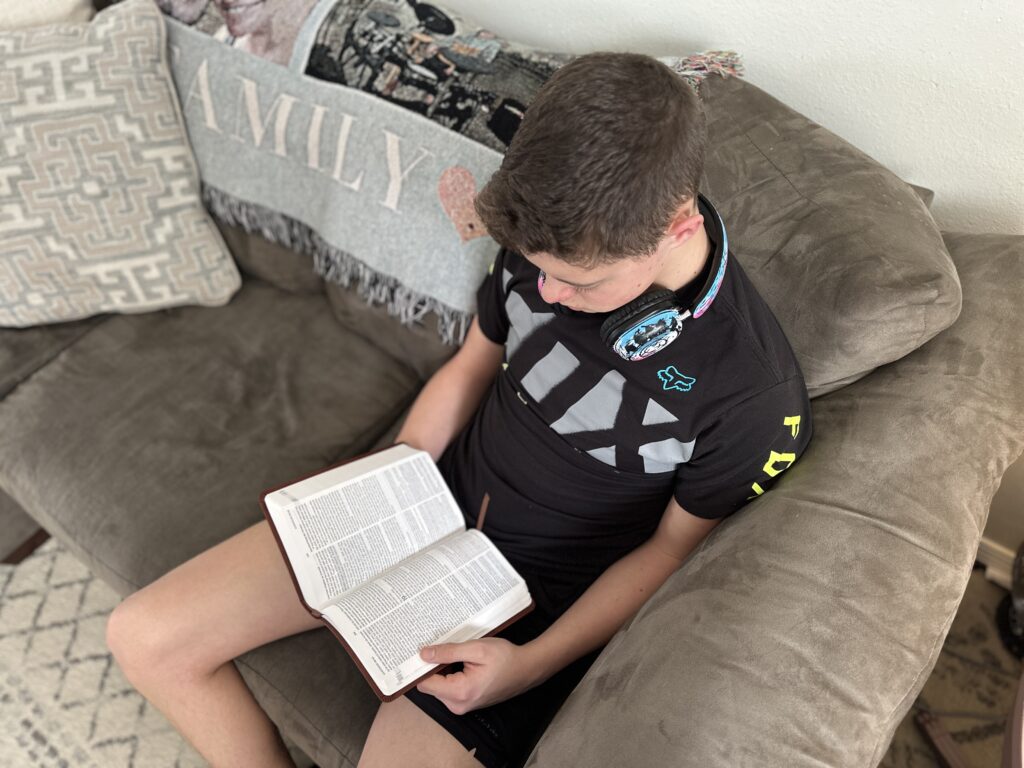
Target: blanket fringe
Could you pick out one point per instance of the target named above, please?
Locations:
(695, 68)
(331, 263)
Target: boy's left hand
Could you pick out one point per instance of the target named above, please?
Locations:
(493, 669)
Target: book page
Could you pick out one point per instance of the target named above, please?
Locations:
(348, 533)
(459, 589)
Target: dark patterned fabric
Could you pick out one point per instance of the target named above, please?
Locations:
(430, 60)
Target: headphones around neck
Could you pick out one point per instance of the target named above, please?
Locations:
(654, 320)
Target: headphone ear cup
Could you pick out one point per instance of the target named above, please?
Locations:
(621, 319)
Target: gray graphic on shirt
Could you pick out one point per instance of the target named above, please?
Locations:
(595, 410)
(656, 414)
(524, 321)
(549, 371)
(607, 455)
(663, 455)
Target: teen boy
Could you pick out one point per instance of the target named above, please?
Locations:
(622, 389)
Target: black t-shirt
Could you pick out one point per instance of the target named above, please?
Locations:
(584, 449)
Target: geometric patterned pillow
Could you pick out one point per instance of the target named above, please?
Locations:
(99, 191)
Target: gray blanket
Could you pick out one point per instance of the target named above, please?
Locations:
(305, 153)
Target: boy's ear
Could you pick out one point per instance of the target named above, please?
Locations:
(685, 223)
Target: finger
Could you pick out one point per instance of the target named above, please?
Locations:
(446, 653)
(442, 685)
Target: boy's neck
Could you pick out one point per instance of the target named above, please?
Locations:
(685, 262)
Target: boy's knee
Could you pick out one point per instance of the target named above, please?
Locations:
(138, 639)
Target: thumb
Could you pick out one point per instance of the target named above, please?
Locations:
(447, 653)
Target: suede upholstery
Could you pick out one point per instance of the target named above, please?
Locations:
(799, 633)
(24, 350)
(845, 253)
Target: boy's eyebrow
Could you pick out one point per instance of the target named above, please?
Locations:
(570, 282)
(577, 285)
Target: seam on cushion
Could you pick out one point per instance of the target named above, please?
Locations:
(827, 211)
(783, 174)
(350, 330)
(291, 703)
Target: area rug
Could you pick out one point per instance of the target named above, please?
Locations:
(972, 688)
(63, 699)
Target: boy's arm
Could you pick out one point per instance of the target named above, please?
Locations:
(452, 394)
(618, 593)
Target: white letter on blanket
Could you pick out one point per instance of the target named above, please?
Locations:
(259, 125)
(202, 80)
(339, 155)
(313, 138)
(395, 172)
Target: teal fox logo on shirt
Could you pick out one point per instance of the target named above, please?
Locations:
(673, 379)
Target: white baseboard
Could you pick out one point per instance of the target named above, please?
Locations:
(998, 561)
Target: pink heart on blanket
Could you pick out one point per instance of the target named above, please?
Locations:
(456, 189)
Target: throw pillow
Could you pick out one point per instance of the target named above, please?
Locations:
(845, 253)
(99, 191)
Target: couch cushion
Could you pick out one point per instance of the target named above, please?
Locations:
(15, 526)
(845, 253)
(276, 264)
(24, 350)
(152, 437)
(802, 630)
(418, 344)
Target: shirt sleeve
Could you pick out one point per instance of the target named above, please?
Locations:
(490, 301)
(742, 453)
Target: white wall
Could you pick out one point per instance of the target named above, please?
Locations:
(931, 89)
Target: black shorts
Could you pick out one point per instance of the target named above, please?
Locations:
(504, 734)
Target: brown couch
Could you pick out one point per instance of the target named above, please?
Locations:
(798, 634)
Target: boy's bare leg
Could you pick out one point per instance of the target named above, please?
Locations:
(175, 639)
(403, 735)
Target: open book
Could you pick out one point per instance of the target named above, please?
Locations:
(379, 551)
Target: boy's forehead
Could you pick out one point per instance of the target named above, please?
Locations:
(572, 273)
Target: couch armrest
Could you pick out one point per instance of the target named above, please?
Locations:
(802, 629)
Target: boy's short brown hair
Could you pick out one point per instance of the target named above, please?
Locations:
(610, 147)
